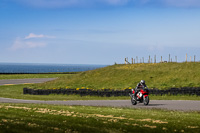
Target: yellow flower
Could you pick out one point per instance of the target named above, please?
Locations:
(77, 88)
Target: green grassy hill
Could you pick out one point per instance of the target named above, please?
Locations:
(160, 75)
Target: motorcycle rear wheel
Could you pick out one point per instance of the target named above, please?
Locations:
(133, 101)
(146, 100)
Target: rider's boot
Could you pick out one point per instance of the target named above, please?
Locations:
(134, 96)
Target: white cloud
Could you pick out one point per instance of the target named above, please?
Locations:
(28, 42)
(23, 44)
(32, 35)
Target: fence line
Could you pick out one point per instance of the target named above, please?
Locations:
(154, 60)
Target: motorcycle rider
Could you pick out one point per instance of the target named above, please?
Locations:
(140, 85)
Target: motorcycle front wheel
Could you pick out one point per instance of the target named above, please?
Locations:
(133, 101)
(146, 100)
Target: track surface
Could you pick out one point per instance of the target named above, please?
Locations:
(24, 81)
(182, 105)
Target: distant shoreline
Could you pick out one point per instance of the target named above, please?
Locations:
(42, 73)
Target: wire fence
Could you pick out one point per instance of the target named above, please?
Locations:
(157, 59)
(110, 92)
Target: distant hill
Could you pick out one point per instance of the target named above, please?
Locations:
(159, 75)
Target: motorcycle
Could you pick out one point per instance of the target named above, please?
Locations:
(142, 96)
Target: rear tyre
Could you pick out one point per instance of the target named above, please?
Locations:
(133, 101)
(146, 100)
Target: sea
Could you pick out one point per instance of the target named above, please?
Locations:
(45, 68)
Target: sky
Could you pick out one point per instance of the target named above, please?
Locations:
(98, 31)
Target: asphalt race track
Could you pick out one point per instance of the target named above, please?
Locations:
(24, 81)
(181, 105)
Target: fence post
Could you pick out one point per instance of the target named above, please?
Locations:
(149, 59)
(190, 59)
(125, 60)
(132, 60)
(137, 58)
(169, 57)
(176, 58)
(155, 59)
(194, 57)
(143, 59)
(161, 59)
(186, 57)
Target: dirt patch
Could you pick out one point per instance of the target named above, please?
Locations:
(159, 121)
(33, 125)
(164, 128)
(150, 126)
(5, 120)
(154, 121)
(193, 127)
(104, 116)
(15, 107)
(135, 124)
(147, 120)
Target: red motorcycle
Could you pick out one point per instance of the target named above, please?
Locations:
(142, 96)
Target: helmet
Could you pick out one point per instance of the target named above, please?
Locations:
(142, 82)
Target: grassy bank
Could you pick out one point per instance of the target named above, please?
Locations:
(16, 92)
(47, 118)
(160, 75)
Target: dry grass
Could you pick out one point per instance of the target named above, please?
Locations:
(49, 118)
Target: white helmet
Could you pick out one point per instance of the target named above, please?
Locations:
(142, 82)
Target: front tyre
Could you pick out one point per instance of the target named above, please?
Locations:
(133, 101)
(146, 100)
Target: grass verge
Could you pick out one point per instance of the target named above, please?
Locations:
(48, 118)
(16, 92)
(159, 75)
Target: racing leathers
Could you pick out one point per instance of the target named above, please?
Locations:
(138, 88)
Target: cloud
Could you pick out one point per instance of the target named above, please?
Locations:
(28, 42)
(23, 44)
(32, 35)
